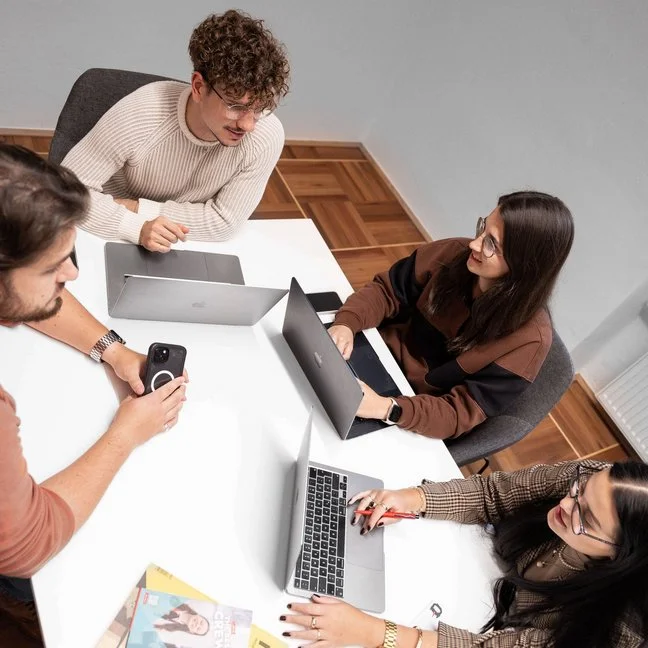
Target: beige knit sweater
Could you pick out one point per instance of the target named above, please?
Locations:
(142, 149)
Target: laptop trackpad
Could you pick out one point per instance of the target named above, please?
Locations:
(366, 550)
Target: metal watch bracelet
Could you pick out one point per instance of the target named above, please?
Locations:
(103, 343)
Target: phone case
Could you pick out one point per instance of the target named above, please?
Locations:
(164, 362)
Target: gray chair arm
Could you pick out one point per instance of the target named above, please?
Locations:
(491, 436)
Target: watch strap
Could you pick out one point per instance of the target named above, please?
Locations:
(391, 632)
(103, 343)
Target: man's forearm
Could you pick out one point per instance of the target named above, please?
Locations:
(73, 324)
(82, 484)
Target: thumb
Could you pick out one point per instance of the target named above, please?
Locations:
(326, 600)
(136, 385)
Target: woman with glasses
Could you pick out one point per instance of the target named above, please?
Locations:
(466, 320)
(573, 543)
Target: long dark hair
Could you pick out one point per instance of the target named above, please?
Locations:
(538, 235)
(588, 605)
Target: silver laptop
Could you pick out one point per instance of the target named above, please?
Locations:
(182, 286)
(326, 554)
(334, 379)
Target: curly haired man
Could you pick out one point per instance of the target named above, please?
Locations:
(172, 161)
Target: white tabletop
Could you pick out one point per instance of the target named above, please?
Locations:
(209, 501)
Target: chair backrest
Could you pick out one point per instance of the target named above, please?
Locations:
(92, 95)
(535, 402)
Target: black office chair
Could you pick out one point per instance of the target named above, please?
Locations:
(499, 432)
(92, 95)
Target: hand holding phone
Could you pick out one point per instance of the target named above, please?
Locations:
(164, 362)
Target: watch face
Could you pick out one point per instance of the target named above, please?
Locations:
(395, 414)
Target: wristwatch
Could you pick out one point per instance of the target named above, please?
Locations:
(103, 343)
(394, 412)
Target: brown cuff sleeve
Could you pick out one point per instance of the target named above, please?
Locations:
(440, 417)
(349, 319)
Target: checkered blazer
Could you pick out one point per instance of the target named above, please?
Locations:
(486, 500)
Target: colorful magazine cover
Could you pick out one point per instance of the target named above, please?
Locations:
(163, 620)
(156, 578)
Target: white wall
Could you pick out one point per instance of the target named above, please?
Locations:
(458, 101)
(550, 95)
(617, 342)
(335, 47)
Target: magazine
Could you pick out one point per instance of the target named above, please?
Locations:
(163, 620)
(156, 578)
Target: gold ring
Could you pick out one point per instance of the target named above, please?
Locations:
(383, 505)
(313, 626)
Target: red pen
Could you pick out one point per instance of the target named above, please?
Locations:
(390, 514)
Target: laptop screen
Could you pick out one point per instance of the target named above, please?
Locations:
(366, 365)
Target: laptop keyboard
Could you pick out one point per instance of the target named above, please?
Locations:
(320, 567)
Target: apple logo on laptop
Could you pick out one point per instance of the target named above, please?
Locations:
(199, 304)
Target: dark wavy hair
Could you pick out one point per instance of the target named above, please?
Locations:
(239, 55)
(588, 605)
(538, 235)
(38, 202)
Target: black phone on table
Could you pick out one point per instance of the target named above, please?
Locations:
(324, 302)
(164, 362)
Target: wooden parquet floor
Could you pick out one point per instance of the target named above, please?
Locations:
(368, 227)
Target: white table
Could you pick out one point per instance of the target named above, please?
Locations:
(209, 501)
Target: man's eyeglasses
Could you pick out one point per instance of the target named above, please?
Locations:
(577, 524)
(236, 111)
(489, 246)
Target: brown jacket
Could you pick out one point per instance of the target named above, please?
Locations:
(35, 523)
(486, 500)
(455, 393)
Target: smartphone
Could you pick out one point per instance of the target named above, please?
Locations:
(164, 362)
(324, 302)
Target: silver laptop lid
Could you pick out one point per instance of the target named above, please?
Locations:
(327, 371)
(126, 259)
(185, 300)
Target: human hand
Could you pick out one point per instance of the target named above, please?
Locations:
(329, 622)
(127, 365)
(7, 398)
(343, 338)
(129, 203)
(373, 405)
(159, 234)
(405, 500)
(139, 419)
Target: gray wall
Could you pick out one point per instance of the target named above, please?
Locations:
(458, 101)
(336, 50)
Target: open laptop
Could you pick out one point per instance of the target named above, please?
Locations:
(326, 555)
(330, 375)
(182, 286)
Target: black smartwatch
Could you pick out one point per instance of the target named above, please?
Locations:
(394, 413)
